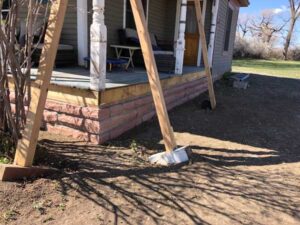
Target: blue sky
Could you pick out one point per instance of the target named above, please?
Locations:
(256, 6)
(279, 7)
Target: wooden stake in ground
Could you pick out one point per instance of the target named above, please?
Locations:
(153, 76)
(205, 54)
(27, 145)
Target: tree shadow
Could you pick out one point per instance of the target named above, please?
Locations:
(123, 185)
(266, 116)
(237, 184)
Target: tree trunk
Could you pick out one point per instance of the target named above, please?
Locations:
(288, 39)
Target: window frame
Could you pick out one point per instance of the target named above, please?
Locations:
(232, 8)
(125, 12)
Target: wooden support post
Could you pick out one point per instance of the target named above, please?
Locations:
(153, 76)
(27, 145)
(205, 55)
(14, 173)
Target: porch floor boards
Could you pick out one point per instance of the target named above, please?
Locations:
(78, 77)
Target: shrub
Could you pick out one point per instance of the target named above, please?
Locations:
(16, 62)
(255, 49)
(295, 54)
(7, 148)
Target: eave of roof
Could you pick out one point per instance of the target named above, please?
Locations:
(244, 3)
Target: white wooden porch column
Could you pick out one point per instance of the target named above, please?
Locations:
(180, 44)
(98, 47)
(82, 31)
(213, 29)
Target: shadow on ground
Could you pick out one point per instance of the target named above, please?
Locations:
(245, 166)
(124, 189)
(265, 116)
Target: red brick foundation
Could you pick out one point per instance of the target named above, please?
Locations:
(100, 124)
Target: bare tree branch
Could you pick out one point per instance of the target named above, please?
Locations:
(265, 28)
(15, 60)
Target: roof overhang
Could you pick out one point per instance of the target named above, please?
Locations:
(244, 3)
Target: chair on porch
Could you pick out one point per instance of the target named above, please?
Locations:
(163, 51)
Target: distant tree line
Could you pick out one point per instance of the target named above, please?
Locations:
(269, 35)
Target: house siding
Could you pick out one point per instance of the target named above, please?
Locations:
(69, 31)
(161, 20)
(222, 61)
(170, 20)
(113, 21)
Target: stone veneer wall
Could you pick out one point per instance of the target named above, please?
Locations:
(100, 124)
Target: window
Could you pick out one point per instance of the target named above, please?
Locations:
(228, 28)
(128, 17)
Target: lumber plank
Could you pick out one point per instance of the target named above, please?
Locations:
(89, 98)
(205, 54)
(14, 173)
(69, 95)
(153, 76)
(27, 145)
(118, 94)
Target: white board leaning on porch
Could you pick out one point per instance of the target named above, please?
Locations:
(98, 47)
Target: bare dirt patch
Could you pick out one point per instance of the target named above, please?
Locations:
(245, 170)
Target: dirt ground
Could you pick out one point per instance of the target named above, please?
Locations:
(245, 169)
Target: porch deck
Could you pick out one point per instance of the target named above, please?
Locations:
(72, 85)
(77, 77)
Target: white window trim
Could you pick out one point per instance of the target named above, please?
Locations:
(124, 12)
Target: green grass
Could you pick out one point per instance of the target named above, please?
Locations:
(289, 69)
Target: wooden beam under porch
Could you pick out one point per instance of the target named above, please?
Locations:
(71, 85)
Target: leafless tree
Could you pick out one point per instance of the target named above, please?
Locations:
(15, 60)
(265, 27)
(294, 16)
(244, 26)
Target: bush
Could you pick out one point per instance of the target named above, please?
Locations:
(255, 49)
(16, 61)
(294, 54)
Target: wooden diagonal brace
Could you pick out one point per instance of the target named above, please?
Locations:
(27, 145)
(153, 76)
(205, 54)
